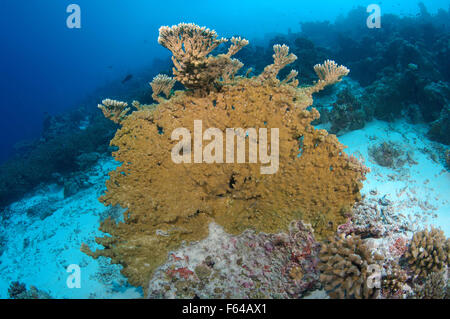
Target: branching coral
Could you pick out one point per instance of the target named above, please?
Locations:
(114, 110)
(428, 252)
(435, 286)
(190, 45)
(329, 73)
(291, 78)
(344, 267)
(161, 84)
(168, 203)
(250, 265)
(238, 44)
(281, 58)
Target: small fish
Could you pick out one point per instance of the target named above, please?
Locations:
(127, 78)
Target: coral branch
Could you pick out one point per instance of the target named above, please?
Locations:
(237, 45)
(281, 58)
(188, 41)
(231, 69)
(114, 110)
(161, 83)
(291, 78)
(330, 72)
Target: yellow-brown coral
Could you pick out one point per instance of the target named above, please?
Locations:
(329, 73)
(168, 203)
(344, 266)
(428, 252)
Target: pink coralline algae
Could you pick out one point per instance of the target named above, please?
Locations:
(250, 265)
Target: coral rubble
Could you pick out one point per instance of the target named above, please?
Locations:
(169, 203)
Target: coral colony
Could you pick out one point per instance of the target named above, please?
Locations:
(237, 196)
(210, 221)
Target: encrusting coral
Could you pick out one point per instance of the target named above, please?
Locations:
(168, 203)
(428, 252)
(344, 266)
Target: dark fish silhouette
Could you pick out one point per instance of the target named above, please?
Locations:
(127, 78)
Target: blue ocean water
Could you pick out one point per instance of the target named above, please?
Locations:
(53, 76)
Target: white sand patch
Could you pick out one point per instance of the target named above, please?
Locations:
(420, 190)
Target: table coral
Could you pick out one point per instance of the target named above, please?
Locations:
(344, 267)
(250, 265)
(168, 203)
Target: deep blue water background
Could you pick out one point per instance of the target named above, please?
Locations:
(46, 67)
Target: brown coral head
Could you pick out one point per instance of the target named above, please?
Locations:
(428, 252)
(348, 269)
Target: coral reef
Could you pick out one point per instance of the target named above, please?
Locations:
(428, 252)
(344, 266)
(57, 153)
(249, 265)
(168, 203)
(371, 219)
(3, 242)
(403, 66)
(440, 129)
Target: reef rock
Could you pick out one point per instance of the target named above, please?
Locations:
(169, 203)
